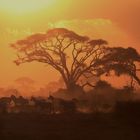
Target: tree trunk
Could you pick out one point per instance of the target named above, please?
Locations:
(72, 87)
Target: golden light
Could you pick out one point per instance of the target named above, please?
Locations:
(24, 6)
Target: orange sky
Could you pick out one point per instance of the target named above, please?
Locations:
(114, 20)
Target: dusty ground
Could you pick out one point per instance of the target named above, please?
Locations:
(69, 127)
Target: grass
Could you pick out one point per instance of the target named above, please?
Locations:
(69, 127)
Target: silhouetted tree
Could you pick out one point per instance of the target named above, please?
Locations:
(122, 61)
(73, 55)
(25, 83)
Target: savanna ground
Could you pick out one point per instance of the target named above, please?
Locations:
(111, 126)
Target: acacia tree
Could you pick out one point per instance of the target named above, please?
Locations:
(72, 55)
(122, 61)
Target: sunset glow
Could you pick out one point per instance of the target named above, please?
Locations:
(69, 69)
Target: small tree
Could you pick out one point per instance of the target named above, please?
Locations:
(72, 55)
(25, 83)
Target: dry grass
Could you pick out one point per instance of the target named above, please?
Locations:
(69, 127)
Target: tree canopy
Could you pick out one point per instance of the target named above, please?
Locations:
(74, 55)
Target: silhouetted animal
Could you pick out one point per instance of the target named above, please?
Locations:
(4, 102)
(62, 106)
(20, 101)
(42, 105)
